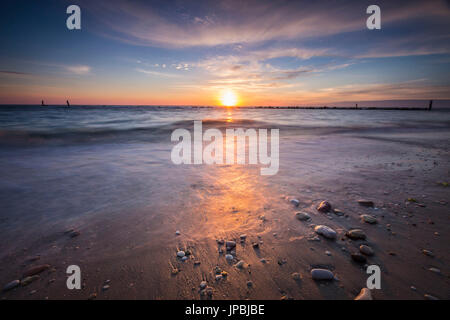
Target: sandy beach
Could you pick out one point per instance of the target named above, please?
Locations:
(114, 209)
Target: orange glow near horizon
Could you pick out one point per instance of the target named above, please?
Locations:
(229, 98)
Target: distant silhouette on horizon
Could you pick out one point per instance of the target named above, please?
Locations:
(68, 104)
(42, 103)
(430, 105)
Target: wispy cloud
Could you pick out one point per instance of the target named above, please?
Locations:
(78, 70)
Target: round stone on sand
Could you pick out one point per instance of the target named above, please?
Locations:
(302, 216)
(296, 276)
(356, 234)
(369, 219)
(203, 285)
(359, 258)
(180, 254)
(11, 285)
(325, 231)
(324, 207)
(322, 274)
(295, 202)
(368, 251)
(229, 257)
(240, 264)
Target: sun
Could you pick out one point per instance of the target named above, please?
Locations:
(229, 98)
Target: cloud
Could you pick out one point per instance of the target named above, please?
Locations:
(247, 22)
(78, 70)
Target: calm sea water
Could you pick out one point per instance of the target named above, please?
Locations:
(36, 125)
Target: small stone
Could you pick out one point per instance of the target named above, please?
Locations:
(230, 245)
(413, 288)
(218, 277)
(32, 292)
(428, 253)
(181, 254)
(368, 251)
(224, 274)
(328, 253)
(255, 245)
(240, 264)
(11, 285)
(435, 270)
(177, 233)
(324, 207)
(92, 296)
(430, 297)
(295, 202)
(338, 212)
(220, 242)
(36, 270)
(174, 271)
(197, 263)
(296, 276)
(243, 237)
(322, 274)
(369, 219)
(229, 257)
(263, 260)
(366, 203)
(184, 258)
(325, 231)
(356, 234)
(105, 287)
(302, 216)
(203, 285)
(27, 280)
(359, 258)
(364, 295)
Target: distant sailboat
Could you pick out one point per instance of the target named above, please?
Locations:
(68, 104)
(43, 104)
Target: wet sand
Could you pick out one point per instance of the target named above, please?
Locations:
(134, 245)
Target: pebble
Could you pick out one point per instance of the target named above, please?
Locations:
(263, 260)
(27, 280)
(218, 277)
(184, 258)
(428, 253)
(229, 257)
(36, 270)
(366, 203)
(322, 274)
(359, 258)
(328, 253)
(105, 287)
(11, 285)
(435, 270)
(324, 206)
(369, 219)
(203, 285)
(92, 296)
(356, 234)
(338, 212)
(364, 295)
(230, 245)
(177, 233)
(302, 216)
(240, 264)
(325, 231)
(249, 284)
(296, 276)
(413, 288)
(368, 251)
(430, 297)
(243, 236)
(180, 254)
(295, 202)
(255, 245)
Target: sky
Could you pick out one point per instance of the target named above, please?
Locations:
(263, 53)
